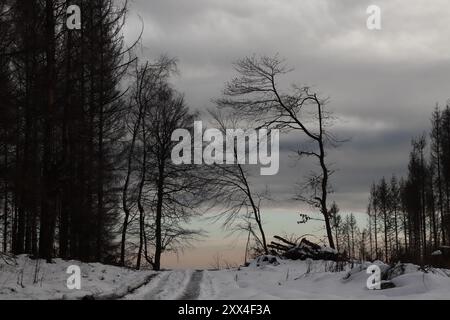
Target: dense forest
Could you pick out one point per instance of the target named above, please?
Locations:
(61, 130)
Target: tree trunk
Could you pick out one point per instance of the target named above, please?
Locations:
(126, 209)
(441, 204)
(5, 195)
(423, 222)
(158, 220)
(325, 176)
(376, 234)
(140, 204)
(255, 208)
(386, 250)
(48, 206)
(397, 244)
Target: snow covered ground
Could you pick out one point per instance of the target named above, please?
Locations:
(286, 280)
(23, 278)
(308, 280)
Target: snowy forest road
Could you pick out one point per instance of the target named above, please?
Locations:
(171, 285)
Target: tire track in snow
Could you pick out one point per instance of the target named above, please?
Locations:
(166, 285)
(192, 290)
(121, 293)
(207, 287)
(173, 285)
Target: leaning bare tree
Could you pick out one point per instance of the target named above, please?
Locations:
(255, 95)
(242, 204)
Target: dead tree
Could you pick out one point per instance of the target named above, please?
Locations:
(255, 95)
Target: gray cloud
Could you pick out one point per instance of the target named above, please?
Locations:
(382, 84)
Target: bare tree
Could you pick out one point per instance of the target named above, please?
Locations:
(255, 95)
(148, 82)
(242, 204)
(176, 191)
(160, 195)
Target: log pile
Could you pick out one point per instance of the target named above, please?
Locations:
(303, 250)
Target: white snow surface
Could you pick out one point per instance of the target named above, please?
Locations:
(37, 280)
(286, 280)
(310, 280)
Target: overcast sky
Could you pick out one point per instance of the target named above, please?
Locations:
(382, 84)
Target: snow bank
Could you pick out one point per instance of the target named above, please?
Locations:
(35, 279)
(311, 280)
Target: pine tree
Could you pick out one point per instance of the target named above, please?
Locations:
(394, 204)
(336, 221)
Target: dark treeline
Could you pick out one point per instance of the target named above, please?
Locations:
(85, 139)
(351, 241)
(409, 218)
(61, 127)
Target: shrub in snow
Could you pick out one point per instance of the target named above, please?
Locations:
(264, 261)
(387, 285)
(437, 253)
(360, 269)
(398, 270)
(440, 257)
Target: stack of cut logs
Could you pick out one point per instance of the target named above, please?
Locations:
(302, 251)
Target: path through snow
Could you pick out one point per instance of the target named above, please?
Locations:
(176, 285)
(192, 291)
